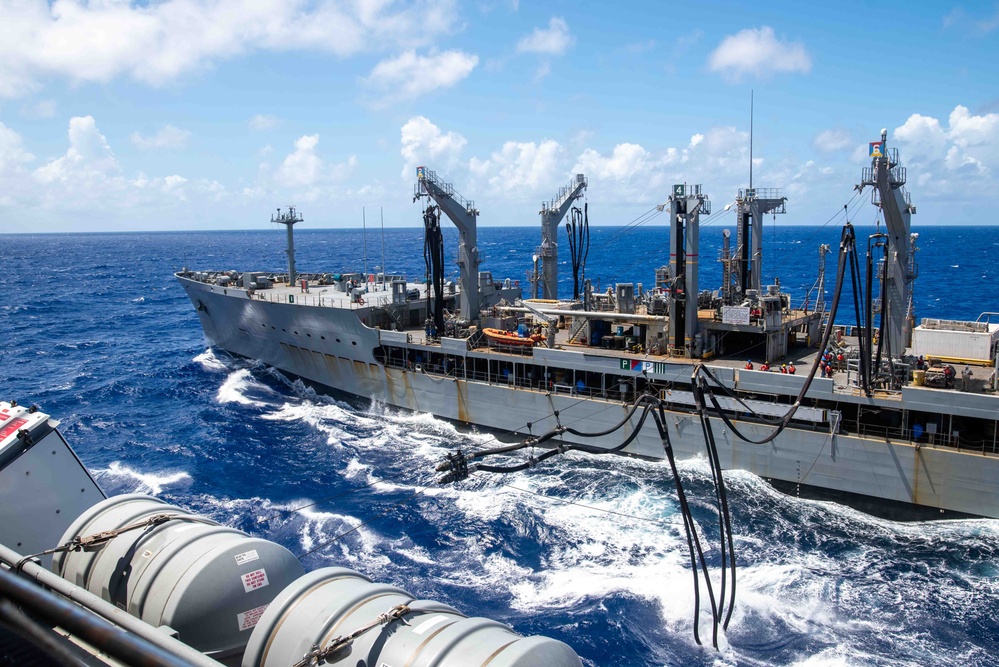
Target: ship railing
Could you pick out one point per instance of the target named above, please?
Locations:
(395, 363)
(760, 193)
(925, 439)
(376, 299)
(518, 350)
(430, 176)
(534, 384)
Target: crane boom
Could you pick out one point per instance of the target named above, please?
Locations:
(540, 314)
(463, 214)
(551, 321)
(552, 213)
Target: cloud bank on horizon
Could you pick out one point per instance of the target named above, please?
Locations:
(201, 113)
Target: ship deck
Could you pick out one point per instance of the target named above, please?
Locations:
(379, 295)
(800, 356)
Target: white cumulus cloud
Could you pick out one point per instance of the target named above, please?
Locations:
(12, 153)
(410, 75)
(759, 53)
(623, 163)
(522, 168)
(303, 167)
(305, 175)
(715, 158)
(554, 40)
(970, 131)
(89, 161)
(159, 42)
(958, 156)
(423, 143)
(88, 182)
(168, 137)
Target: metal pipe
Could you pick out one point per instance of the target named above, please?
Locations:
(586, 313)
(53, 645)
(91, 628)
(106, 610)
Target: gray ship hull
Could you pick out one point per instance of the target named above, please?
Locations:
(334, 347)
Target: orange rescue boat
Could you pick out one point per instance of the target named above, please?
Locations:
(511, 338)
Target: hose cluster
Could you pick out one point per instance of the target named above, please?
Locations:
(578, 229)
(433, 257)
(458, 465)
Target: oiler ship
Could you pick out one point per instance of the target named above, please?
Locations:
(883, 410)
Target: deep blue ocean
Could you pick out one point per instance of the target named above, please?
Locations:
(95, 330)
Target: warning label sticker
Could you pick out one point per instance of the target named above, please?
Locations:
(254, 580)
(247, 557)
(249, 619)
(12, 427)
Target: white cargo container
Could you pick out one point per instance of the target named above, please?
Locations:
(957, 341)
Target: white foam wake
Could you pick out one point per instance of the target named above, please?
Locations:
(237, 387)
(811, 573)
(144, 482)
(209, 361)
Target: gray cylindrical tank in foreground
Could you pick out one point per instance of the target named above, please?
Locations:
(208, 582)
(334, 602)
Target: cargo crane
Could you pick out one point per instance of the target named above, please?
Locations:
(887, 177)
(463, 214)
(552, 213)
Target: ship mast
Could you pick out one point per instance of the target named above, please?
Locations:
(289, 219)
(746, 268)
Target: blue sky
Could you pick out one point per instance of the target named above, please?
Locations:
(193, 114)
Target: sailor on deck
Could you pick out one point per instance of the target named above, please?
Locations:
(749, 365)
(966, 379)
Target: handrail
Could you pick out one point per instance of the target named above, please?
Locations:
(106, 610)
(934, 440)
(371, 299)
